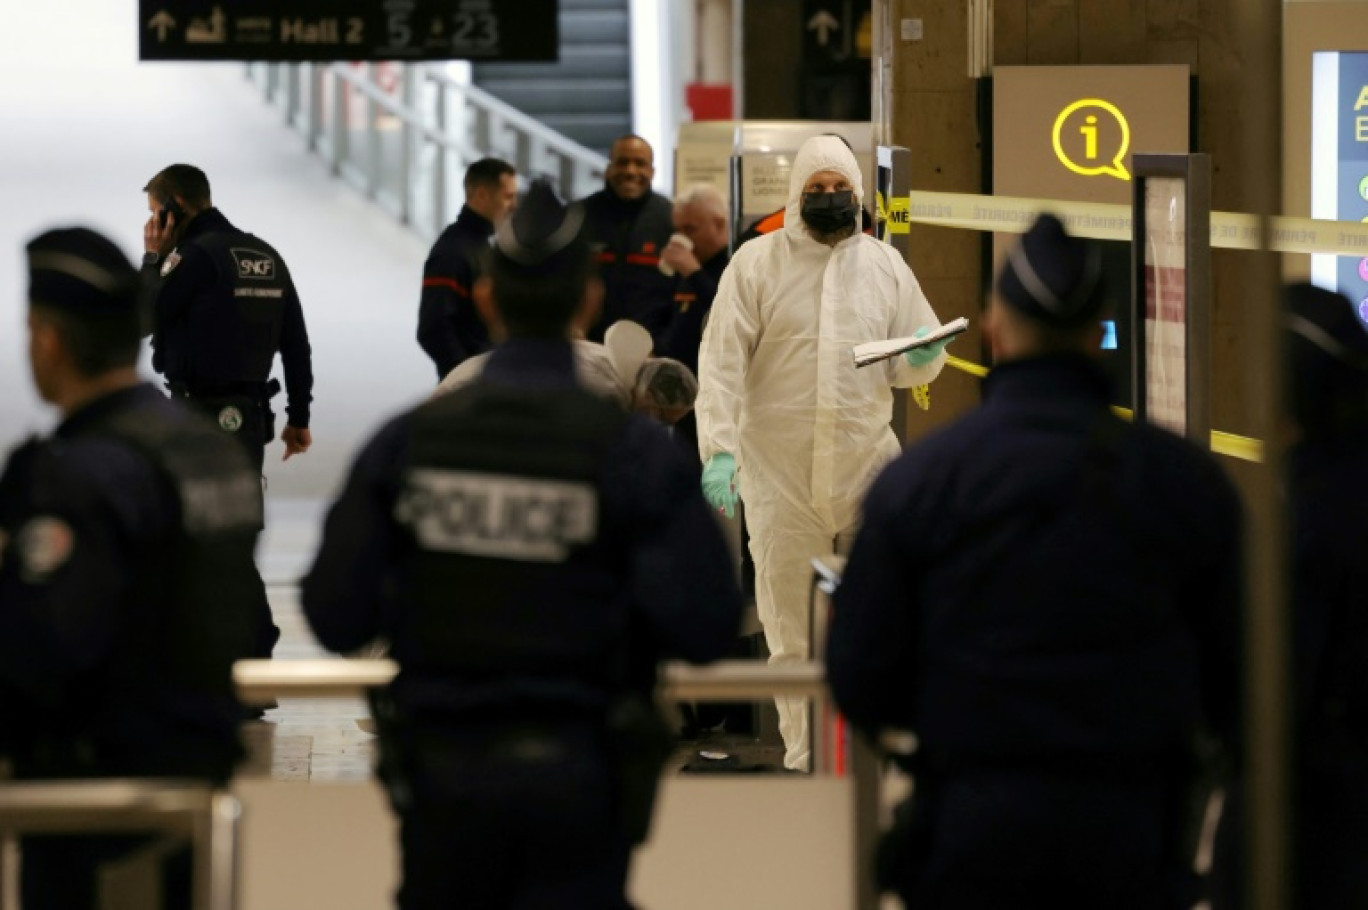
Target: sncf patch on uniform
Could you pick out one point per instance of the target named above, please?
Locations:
(253, 264)
(170, 264)
(42, 546)
(498, 516)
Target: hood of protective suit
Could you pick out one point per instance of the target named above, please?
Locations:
(820, 153)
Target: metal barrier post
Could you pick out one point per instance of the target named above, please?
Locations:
(372, 139)
(9, 872)
(292, 92)
(439, 171)
(179, 808)
(341, 96)
(406, 144)
(315, 123)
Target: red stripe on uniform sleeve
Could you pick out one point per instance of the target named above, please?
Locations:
(643, 259)
(449, 283)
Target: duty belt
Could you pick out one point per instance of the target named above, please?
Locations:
(259, 391)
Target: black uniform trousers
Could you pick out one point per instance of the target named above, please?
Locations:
(1106, 844)
(510, 815)
(256, 429)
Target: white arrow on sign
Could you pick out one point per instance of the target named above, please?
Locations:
(823, 24)
(161, 23)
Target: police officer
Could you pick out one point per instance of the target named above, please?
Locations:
(1048, 597)
(1327, 349)
(449, 329)
(531, 551)
(628, 224)
(126, 545)
(222, 305)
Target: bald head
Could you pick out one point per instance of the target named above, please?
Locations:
(700, 213)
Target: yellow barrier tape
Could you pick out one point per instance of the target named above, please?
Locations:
(1109, 221)
(1222, 443)
(973, 369)
(900, 215)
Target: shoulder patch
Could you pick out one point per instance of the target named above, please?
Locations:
(171, 262)
(42, 546)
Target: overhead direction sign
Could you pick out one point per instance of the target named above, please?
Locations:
(349, 30)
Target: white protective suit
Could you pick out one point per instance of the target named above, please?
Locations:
(779, 391)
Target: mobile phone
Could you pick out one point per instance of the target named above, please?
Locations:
(170, 208)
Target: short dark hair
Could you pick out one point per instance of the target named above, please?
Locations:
(487, 172)
(632, 137)
(183, 180)
(99, 343)
(539, 305)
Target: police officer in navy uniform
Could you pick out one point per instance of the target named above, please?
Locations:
(628, 224)
(126, 542)
(531, 552)
(221, 306)
(449, 329)
(1327, 497)
(1049, 598)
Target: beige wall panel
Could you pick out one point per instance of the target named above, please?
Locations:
(939, 252)
(1177, 51)
(1110, 33)
(1010, 32)
(1053, 32)
(773, 48)
(941, 130)
(1169, 18)
(940, 61)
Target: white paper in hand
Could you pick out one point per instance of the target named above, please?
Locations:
(876, 351)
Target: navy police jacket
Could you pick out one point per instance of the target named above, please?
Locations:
(224, 306)
(126, 583)
(1041, 585)
(522, 543)
(627, 237)
(449, 329)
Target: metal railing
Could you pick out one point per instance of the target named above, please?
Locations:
(261, 680)
(404, 133)
(206, 817)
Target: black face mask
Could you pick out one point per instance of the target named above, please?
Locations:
(829, 212)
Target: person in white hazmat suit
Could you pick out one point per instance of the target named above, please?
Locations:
(785, 420)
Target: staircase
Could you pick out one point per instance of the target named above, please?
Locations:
(587, 95)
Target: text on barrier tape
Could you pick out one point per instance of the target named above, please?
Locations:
(1110, 221)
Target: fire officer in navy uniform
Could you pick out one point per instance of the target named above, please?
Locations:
(449, 329)
(221, 305)
(1048, 597)
(628, 224)
(531, 552)
(126, 571)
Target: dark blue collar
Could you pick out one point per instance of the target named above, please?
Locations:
(93, 412)
(544, 362)
(1073, 377)
(473, 221)
(209, 221)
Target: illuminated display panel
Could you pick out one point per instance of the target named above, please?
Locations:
(1339, 164)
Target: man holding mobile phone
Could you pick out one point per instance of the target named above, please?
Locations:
(219, 304)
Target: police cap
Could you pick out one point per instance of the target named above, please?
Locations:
(78, 271)
(1327, 349)
(542, 237)
(1052, 277)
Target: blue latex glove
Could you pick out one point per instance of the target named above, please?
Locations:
(719, 483)
(920, 357)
